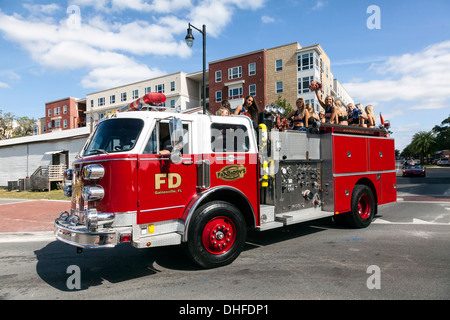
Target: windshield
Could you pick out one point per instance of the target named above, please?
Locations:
(115, 135)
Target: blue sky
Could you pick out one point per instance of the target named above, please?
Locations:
(403, 68)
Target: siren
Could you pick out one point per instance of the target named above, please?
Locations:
(149, 98)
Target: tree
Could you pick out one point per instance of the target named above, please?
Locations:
(281, 102)
(24, 127)
(442, 133)
(423, 143)
(6, 124)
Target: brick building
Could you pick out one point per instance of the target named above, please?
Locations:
(235, 78)
(63, 114)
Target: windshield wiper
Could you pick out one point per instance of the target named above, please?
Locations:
(98, 150)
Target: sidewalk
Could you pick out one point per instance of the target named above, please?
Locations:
(18, 216)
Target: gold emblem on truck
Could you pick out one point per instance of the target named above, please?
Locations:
(231, 172)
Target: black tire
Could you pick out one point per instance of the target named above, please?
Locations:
(363, 207)
(216, 235)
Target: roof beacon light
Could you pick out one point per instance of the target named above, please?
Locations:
(148, 99)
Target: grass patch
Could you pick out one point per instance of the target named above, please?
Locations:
(33, 195)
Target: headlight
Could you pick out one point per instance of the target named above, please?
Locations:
(68, 174)
(92, 193)
(93, 172)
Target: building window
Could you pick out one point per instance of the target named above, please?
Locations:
(159, 88)
(305, 61)
(148, 90)
(65, 123)
(112, 99)
(65, 109)
(135, 94)
(219, 76)
(303, 84)
(50, 125)
(92, 103)
(235, 93)
(49, 113)
(123, 96)
(172, 86)
(172, 103)
(234, 73)
(57, 123)
(279, 65)
(252, 90)
(279, 87)
(252, 69)
(218, 96)
(57, 111)
(101, 101)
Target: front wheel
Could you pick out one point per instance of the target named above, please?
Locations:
(216, 235)
(363, 207)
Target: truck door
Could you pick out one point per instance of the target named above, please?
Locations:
(164, 187)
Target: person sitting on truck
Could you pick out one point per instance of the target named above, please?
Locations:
(355, 115)
(341, 113)
(329, 108)
(370, 114)
(312, 114)
(300, 116)
(250, 109)
(223, 111)
(226, 104)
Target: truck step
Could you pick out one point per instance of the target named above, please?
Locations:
(168, 239)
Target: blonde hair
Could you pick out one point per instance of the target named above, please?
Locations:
(369, 109)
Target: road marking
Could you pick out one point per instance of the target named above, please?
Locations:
(415, 221)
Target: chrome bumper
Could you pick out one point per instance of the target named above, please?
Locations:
(85, 239)
(78, 230)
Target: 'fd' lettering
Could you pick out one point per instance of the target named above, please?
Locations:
(173, 180)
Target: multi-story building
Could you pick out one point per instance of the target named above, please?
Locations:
(181, 90)
(340, 93)
(235, 78)
(63, 114)
(285, 71)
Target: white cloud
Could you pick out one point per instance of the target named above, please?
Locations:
(4, 85)
(267, 19)
(416, 77)
(105, 41)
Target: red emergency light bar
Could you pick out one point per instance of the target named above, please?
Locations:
(151, 97)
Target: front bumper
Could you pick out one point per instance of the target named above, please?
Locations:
(77, 230)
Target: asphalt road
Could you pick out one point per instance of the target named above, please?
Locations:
(403, 255)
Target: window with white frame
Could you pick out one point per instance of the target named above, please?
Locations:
(218, 74)
(279, 65)
(135, 94)
(234, 73)
(304, 83)
(65, 109)
(252, 69)
(159, 88)
(148, 90)
(57, 111)
(218, 96)
(252, 90)
(235, 93)
(57, 123)
(172, 86)
(172, 103)
(65, 123)
(279, 87)
(123, 96)
(101, 101)
(112, 99)
(92, 103)
(305, 61)
(49, 112)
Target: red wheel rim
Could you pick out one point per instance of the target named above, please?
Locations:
(219, 235)
(364, 206)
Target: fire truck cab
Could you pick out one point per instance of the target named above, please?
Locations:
(159, 178)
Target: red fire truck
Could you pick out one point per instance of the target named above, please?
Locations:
(156, 178)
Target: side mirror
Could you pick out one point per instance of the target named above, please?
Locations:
(175, 157)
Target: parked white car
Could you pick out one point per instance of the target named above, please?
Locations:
(443, 162)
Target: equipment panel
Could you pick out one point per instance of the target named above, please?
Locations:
(298, 186)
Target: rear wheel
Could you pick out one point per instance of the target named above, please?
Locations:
(363, 207)
(216, 235)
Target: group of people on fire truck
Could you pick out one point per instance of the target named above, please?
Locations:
(333, 112)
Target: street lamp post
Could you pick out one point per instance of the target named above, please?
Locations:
(190, 41)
